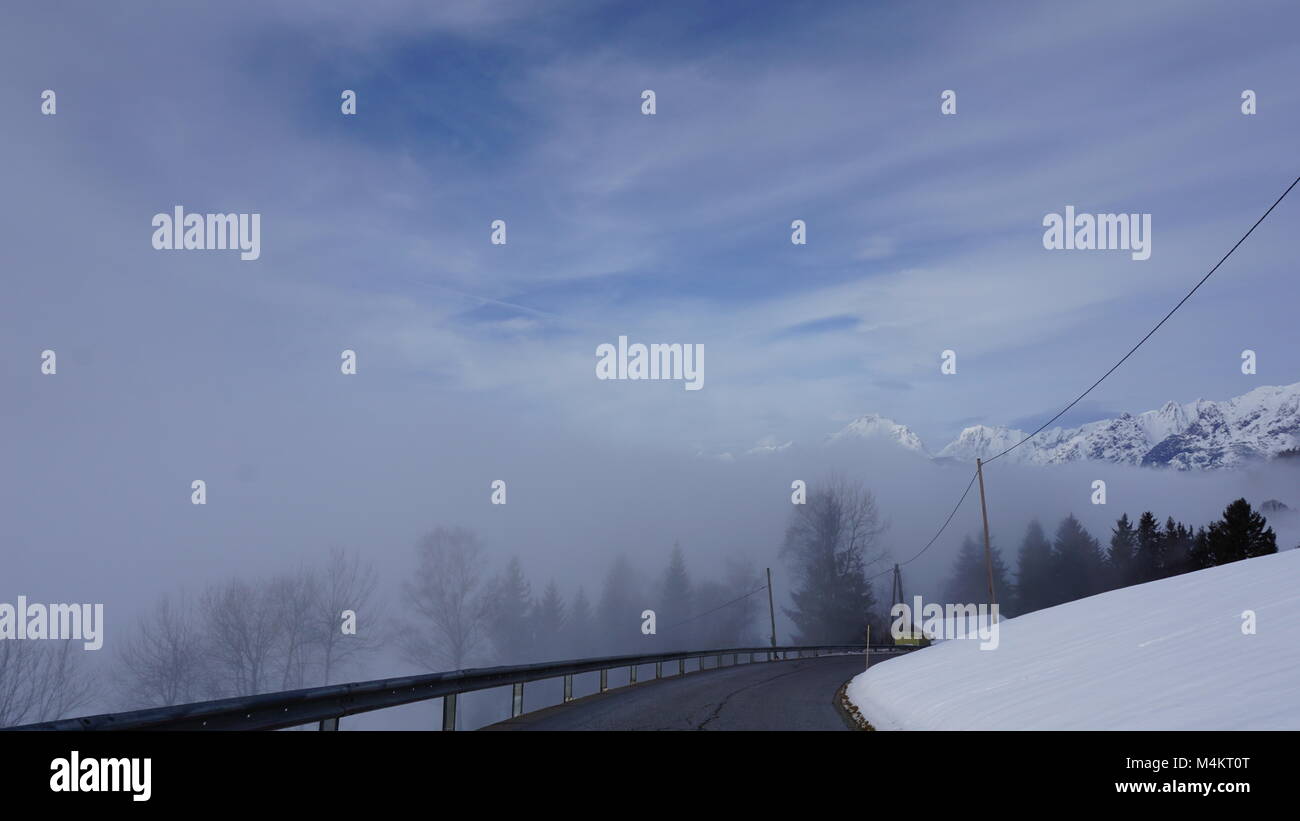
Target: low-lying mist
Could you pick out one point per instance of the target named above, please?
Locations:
(121, 529)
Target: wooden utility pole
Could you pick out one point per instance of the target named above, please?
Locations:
(896, 597)
(988, 551)
(771, 610)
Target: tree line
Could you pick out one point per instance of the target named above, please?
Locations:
(243, 637)
(1074, 564)
(235, 637)
(835, 552)
(459, 613)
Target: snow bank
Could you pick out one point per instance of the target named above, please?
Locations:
(1169, 655)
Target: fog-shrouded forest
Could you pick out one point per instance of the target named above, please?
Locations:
(453, 597)
(314, 361)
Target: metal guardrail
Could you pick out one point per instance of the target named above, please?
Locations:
(327, 705)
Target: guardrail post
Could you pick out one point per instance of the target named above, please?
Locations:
(604, 680)
(631, 674)
(517, 699)
(719, 659)
(659, 669)
(449, 712)
(681, 667)
(329, 723)
(568, 688)
(751, 658)
(734, 659)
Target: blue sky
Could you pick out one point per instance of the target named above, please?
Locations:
(924, 232)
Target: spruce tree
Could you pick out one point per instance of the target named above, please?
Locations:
(675, 601)
(968, 582)
(1077, 557)
(550, 623)
(1150, 547)
(829, 543)
(1035, 580)
(579, 632)
(1121, 558)
(1176, 549)
(1242, 533)
(620, 608)
(1200, 557)
(509, 627)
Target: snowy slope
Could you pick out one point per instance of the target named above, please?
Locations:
(1169, 655)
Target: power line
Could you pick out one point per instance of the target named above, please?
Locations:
(719, 607)
(1113, 368)
(1043, 427)
(936, 536)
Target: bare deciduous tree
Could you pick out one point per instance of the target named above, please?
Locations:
(241, 630)
(446, 597)
(830, 543)
(162, 663)
(346, 584)
(41, 680)
(293, 599)
(243, 637)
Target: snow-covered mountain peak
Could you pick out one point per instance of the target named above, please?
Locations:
(1200, 435)
(873, 426)
(982, 441)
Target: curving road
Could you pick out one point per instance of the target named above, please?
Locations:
(782, 695)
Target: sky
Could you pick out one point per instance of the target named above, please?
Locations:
(476, 361)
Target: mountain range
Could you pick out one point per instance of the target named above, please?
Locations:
(1200, 435)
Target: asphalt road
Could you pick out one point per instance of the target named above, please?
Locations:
(781, 695)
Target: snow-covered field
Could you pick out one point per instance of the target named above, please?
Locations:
(1169, 655)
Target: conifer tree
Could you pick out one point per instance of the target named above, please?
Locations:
(509, 606)
(1035, 580)
(675, 601)
(968, 583)
(579, 632)
(1150, 548)
(1121, 557)
(1077, 556)
(1242, 533)
(830, 542)
(550, 623)
(618, 625)
(1177, 547)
